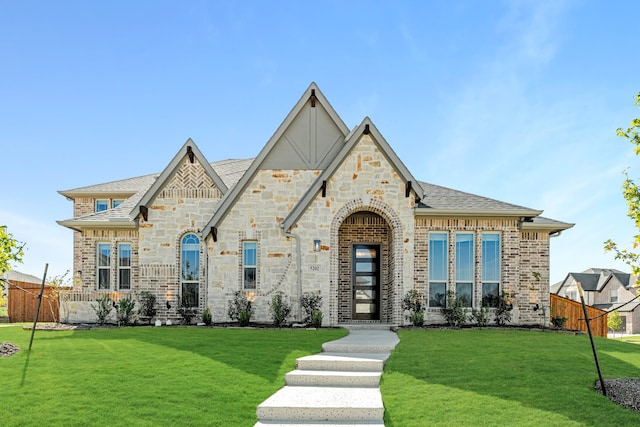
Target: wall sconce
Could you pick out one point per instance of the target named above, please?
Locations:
(316, 245)
(168, 305)
(536, 307)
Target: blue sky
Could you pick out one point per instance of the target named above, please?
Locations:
(514, 100)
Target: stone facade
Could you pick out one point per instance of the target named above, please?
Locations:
(315, 180)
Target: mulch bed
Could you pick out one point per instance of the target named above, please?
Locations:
(623, 391)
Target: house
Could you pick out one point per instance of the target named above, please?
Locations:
(322, 209)
(606, 289)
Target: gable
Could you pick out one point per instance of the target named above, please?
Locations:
(188, 174)
(365, 134)
(311, 140)
(190, 180)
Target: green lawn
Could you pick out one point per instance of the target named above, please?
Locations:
(203, 376)
(503, 378)
(147, 376)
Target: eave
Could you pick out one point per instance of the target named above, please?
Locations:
(118, 223)
(524, 213)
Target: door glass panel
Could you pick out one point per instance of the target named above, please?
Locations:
(365, 294)
(366, 252)
(365, 308)
(365, 281)
(365, 267)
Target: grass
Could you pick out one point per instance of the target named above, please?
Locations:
(147, 376)
(634, 339)
(503, 377)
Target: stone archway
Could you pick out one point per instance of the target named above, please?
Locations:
(365, 222)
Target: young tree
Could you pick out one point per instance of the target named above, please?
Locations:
(631, 193)
(11, 251)
(614, 321)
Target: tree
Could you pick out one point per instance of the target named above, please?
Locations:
(614, 321)
(11, 251)
(631, 193)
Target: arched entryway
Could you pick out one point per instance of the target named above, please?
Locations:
(364, 268)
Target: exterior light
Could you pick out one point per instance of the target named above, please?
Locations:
(168, 305)
(316, 245)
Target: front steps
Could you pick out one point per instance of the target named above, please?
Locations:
(338, 387)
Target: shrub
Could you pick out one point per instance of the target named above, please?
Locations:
(480, 317)
(310, 304)
(186, 312)
(147, 305)
(503, 310)
(279, 308)
(413, 301)
(316, 319)
(240, 308)
(207, 318)
(124, 311)
(103, 309)
(454, 312)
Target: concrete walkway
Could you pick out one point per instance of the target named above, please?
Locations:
(338, 387)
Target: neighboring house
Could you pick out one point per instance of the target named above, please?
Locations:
(606, 289)
(322, 209)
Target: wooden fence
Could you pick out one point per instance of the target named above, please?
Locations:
(572, 310)
(23, 302)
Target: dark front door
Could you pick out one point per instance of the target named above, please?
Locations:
(366, 282)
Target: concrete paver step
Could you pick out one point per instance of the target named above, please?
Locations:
(358, 362)
(332, 378)
(323, 404)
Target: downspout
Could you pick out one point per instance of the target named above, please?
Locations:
(299, 269)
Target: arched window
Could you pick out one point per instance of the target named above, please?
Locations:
(190, 270)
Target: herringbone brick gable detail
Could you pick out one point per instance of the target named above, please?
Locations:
(191, 176)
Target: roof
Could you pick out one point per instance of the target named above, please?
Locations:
(596, 279)
(328, 142)
(16, 276)
(229, 172)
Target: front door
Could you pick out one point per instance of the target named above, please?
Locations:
(366, 282)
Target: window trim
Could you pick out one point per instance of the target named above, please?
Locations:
(116, 202)
(246, 267)
(104, 202)
(484, 281)
(459, 281)
(122, 268)
(103, 266)
(438, 281)
(190, 282)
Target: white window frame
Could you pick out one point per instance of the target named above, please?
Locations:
(484, 279)
(249, 265)
(438, 281)
(122, 269)
(116, 202)
(101, 265)
(613, 295)
(465, 281)
(101, 202)
(190, 282)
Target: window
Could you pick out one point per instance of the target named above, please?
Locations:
(190, 270)
(102, 205)
(614, 295)
(104, 264)
(437, 269)
(249, 264)
(464, 268)
(124, 266)
(116, 202)
(490, 269)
